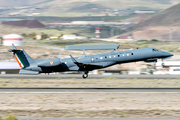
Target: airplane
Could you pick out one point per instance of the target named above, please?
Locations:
(86, 63)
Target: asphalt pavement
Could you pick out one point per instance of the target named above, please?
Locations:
(56, 90)
(98, 119)
(79, 76)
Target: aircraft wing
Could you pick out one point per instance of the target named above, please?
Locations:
(84, 66)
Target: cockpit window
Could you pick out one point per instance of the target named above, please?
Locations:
(154, 50)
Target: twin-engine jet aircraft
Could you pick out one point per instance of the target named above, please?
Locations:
(86, 63)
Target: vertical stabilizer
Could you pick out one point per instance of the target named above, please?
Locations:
(23, 59)
(14, 46)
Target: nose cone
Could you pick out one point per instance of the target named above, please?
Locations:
(166, 54)
(170, 54)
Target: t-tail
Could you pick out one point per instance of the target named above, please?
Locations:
(23, 59)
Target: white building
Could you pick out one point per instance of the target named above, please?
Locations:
(10, 39)
(72, 37)
(171, 67)
(144, 11)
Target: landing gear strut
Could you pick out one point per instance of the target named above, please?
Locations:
(155, 64)
(85, 75)
(163, 65)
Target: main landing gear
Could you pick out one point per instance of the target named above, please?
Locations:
(85, 75)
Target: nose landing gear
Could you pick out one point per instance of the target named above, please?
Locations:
(163, 65)
(155, 64)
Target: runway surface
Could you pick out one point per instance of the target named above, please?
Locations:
(97, 118)
(79, 76)
(56, 90)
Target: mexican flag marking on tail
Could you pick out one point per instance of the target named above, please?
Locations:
(20, 62)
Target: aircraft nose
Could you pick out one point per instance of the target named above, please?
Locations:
(171, 54)
(166, 54)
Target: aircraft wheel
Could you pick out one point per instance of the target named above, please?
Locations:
(85, 76)
(163, 64)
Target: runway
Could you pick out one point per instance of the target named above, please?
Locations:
(79, 76)
(77, 90)
(98, 118)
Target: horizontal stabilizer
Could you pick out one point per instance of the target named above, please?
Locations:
(28, 72)
(14, 50)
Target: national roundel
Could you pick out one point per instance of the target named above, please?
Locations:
(51, 62)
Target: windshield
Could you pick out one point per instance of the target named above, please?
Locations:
(154, 50)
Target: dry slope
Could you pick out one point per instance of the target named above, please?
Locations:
(169, 17)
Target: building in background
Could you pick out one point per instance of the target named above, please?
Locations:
(171, 67)
(97, 32)
(9, 68)
(10, 39)
(72, 37)
(144, 11)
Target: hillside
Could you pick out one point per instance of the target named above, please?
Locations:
(169, 17)
(162, 26)
(116, 4)
(18, 3)
(59, 7)
(81, 7)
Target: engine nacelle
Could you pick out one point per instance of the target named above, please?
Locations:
(50, 63)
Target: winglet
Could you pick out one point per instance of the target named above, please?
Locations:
(14, 46)
(73, 59)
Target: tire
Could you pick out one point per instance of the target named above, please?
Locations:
(85, 76)
(163, 64)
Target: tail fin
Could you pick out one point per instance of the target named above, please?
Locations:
(23, 59)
